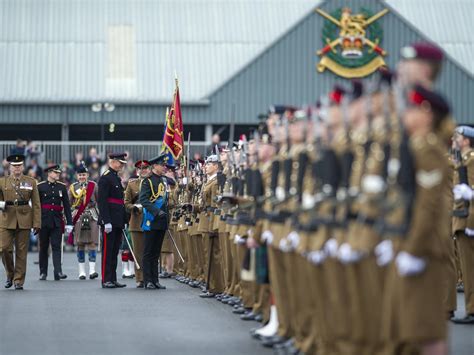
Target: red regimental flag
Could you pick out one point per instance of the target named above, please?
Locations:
(173, 137)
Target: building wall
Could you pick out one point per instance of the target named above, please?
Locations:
(284, 73)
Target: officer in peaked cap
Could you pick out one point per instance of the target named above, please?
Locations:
(17, 191)
(112, 217)
(154, 198)
(54, 205)
(135, 210)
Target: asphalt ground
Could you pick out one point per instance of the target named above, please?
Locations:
(79, 317)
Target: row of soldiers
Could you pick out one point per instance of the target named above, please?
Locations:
(332, 223)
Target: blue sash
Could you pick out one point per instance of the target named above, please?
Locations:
(148, 217)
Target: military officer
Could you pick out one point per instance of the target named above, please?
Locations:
(54, 205)
(112, 218)
(18, 216)
(154, 199)
(135, 209)
(83, 197)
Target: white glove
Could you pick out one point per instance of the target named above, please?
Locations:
(108, 228)
(267, 236)
(331, 247)
(409, 265)
(239, 240)
(294, 239)
(462, 191)
(347, 255)
(317, 257)
(469, 232)
(285, 245)
(68, 229)
(384, 252)
(185, 181)
(2, 205)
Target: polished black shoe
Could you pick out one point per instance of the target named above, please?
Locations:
(240, 310)
(469, 319)
(150, 286)
(93, 276)
(119, 285)
(206, 294)
(43, 277)
(165, 275)
(254, 334)
(194, 284)
(160, 286)
(8, 284)
(140, 285)
(248, 316)
(82, 277)
(59, 276)
(18, 287)
(460, 287)
(270, 342)
(258, 318)
(109, 284)
(285, 345)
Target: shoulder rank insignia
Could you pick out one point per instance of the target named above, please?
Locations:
(106, 172)
(429, 179)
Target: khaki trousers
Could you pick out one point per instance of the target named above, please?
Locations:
(15, 267)
(138, 245)
(216, 282)
(466, 257)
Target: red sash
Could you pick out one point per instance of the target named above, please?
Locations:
(116, 201)
(82, 207)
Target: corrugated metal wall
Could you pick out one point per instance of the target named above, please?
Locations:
(284, 73)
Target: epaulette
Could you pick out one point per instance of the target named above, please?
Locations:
(60, 182)
(132, 179)
(106, 172)
(42, 182)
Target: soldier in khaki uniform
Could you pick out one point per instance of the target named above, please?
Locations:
(215, 278)
(414, 314)
(21, 211)
(135, 209)
(463, 222)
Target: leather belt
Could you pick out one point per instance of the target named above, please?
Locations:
(279, 217)
(116, 201)
(16, 203)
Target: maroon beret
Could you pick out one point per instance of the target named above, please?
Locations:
(422, 50)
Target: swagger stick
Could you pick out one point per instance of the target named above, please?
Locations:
(175, 245)
(131, 250)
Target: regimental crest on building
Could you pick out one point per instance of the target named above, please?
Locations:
(352, 43)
